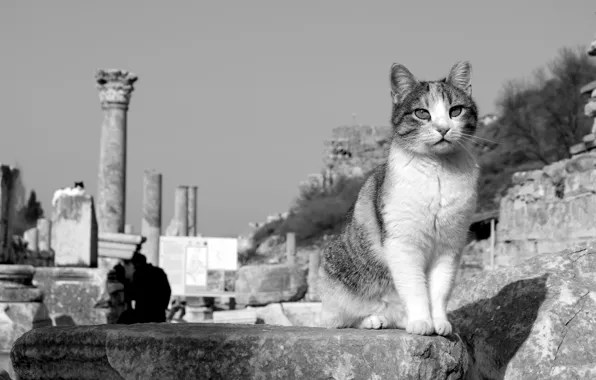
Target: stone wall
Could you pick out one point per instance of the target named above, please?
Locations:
(356, 149)
(547, 210)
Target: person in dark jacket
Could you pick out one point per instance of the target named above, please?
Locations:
(149, 289)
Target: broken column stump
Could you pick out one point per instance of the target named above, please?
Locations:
(21, 307)
(218, 351)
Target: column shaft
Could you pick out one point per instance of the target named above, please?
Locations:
(111, 195)
(192, 210)
(181, 210)
(151, 223)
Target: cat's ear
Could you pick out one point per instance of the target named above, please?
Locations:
(461, 76)
(402, 82)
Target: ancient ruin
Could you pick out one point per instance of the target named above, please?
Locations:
(115, 90)
(529, 315)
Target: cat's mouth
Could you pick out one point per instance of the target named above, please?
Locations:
(443, 141)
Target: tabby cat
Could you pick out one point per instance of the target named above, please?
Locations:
(394, 264)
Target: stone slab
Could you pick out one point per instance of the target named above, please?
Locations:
(71, 293)
(222, 351)
(20, 294)
(113, 237)
(16, 274)
(243, 316)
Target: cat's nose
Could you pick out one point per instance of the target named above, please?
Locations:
(443, 130)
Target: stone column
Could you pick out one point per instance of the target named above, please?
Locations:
(44, 227)
(291, 247)
(181, 210)
(192, 210)
(8, 177)
(128, 229)
(115, 88)
(151, 223)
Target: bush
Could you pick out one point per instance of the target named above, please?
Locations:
(319, 209)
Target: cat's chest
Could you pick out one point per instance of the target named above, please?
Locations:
(431, 191)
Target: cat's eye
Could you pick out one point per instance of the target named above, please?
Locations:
(455, 111)
(422, 114)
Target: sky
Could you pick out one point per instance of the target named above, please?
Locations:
(237, 97)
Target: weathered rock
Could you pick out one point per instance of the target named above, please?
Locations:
(71, 293)
(16, 318)
(217, 351)
(533, 321)
(264, 284)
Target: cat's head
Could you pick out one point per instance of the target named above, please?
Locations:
(433, 117)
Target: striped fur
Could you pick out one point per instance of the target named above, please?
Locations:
(394, 263)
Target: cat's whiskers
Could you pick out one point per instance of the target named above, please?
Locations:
(468, 139)
(469, 153)
(479, 138)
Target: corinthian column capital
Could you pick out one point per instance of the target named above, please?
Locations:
(115, 87)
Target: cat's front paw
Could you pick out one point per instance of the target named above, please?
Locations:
(442, 327)
(374, 322)
(420, 327)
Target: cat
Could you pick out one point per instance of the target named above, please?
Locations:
(394, 263)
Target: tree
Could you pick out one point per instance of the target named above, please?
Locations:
(28, 214)
(540, 119)
(544, 118)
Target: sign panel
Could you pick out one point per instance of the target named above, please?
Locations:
(199, 266)
(196, 266)
(223, 253)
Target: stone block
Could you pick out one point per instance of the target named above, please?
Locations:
(31, 237)
(511, 253)
(221, 351)
(44, 228)
(271, 314)
(16, 284)
(74, 231)
(581, 218)
(263, 284)
(72, 293)
(534, 321)
(577, 148)
(195, 314)
(581, 182)
(119, 246)
(244, 316)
